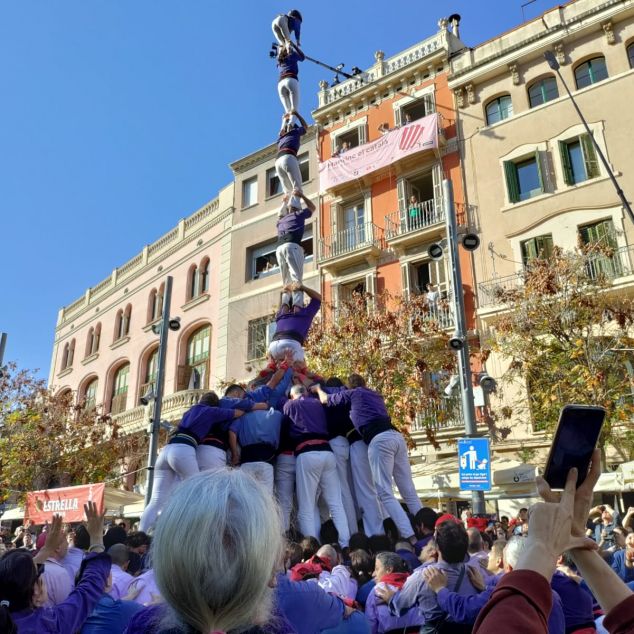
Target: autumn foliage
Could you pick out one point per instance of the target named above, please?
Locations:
(47, 440)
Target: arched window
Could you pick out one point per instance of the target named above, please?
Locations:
(92, 340)
(591, 72)
(150, 373)
(71, 354)
(65, 356)
(127, 316)
(122, 323)
(195, 373)
(120, 389)
(630, 54)
(204, 276)
(542, 90)
(192, 282)
(499, 108)
(118, 323)
(65, 397)
(159, 300)
(90, 394)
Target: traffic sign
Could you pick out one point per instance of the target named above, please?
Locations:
(474, 464)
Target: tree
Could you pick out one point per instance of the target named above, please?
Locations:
(398, 345)
(46, 440)
(566, 334)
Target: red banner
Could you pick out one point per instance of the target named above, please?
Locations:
(417, 136)
(67, 502)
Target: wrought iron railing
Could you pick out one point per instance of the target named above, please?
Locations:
(416, 217)
(350, 240)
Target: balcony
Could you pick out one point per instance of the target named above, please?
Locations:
(356, 244)
(616, 267)
(173, 407)
(440, 313)
(423, 221)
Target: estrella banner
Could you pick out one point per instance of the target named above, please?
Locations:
(67, 502)
(356, 162)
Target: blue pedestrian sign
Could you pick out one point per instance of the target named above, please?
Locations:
(474, 464)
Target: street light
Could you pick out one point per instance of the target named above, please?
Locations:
(550, 58)
(156, 394)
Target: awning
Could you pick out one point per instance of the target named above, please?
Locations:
(115, 501)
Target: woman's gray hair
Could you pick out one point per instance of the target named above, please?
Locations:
(392, 562)
(216, 547)
(513, 549)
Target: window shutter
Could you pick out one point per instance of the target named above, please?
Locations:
(566, 165)
(545, 247)
(529, 250)
(363, 134)
(438, 201)
(398, 117)
(589, 156)
(405, 273)
(538, 162)
(430, 105)
(401, 190)
(512, 182)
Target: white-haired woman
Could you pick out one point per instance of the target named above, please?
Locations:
(219, 578)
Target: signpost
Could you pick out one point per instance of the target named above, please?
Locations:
(474, 464)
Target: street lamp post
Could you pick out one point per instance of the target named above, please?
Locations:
(554, 65)
(461, 348)
(155, 424)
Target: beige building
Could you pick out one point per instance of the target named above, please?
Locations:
(255, 283)
(531, 173)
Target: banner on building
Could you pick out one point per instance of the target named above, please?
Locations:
(356, 162)
(67, 502)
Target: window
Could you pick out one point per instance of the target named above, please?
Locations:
(499, 109)
(579, 160)
(304, 167)
(194, 375)
(540, 247)
(150, 372)
(353, 233)
(630, 54)
(605, 259)
(351, 138)
(260, 334)
(155, 303)
(249, 192)
(273, 184)
(542, 90)
(120, 389)
(122, 323)
(92, 340)
(417, 109)
(203, 272)
(591, 72)
(90, 394)
(262, 261)
(68, 355)
(524, 178)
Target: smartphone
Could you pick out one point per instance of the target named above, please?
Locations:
(575, 439)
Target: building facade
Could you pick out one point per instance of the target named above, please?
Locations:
(530, 168)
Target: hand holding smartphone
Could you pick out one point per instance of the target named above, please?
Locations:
(574, 441)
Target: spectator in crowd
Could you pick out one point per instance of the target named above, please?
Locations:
(606, 519)
(495, 563)
(23, 593)
(519, 525)
(425, 523)
(362, 566)
(219, 577)
(405, 550)
(59, 582)
(390, 572)
(138, 544)
(310, 546)
(121, 579)
(623, 560)
(78, 544)
(477, 553)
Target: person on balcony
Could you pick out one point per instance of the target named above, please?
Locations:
(290, 252)
(414, 217)
(286, 163)
(292, 326)
(177, 460)
(284, 26)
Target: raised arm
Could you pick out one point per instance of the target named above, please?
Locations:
(310, 292)
(309, 203)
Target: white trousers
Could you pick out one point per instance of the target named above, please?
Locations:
(387, 453)
(290, 259)
(210, 457)
(365, 490)
(278, 348)
(285, 486)
(341, 448)
(288, 90)
(318, 470)
(175, 463)
(280, 29)
(262, 471)
(287, 170)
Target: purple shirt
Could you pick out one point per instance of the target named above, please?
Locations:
(380, 618)
(121, 581)
(147, 584)
(69, 615)
(200, 419)
(366, 406)
(291, 140)
(59, 583)
(290, 228)
(298, 322)
(307, 417)
(290, 64)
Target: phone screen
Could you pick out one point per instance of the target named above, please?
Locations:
(575, 439)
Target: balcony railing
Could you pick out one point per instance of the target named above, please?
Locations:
(439, 312)
(350, 240)
(445, 415)
(617, 264)
(414, 218)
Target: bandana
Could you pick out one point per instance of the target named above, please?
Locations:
(310, 569)
(396, 579)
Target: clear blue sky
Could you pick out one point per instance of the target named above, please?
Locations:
(119, 117)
